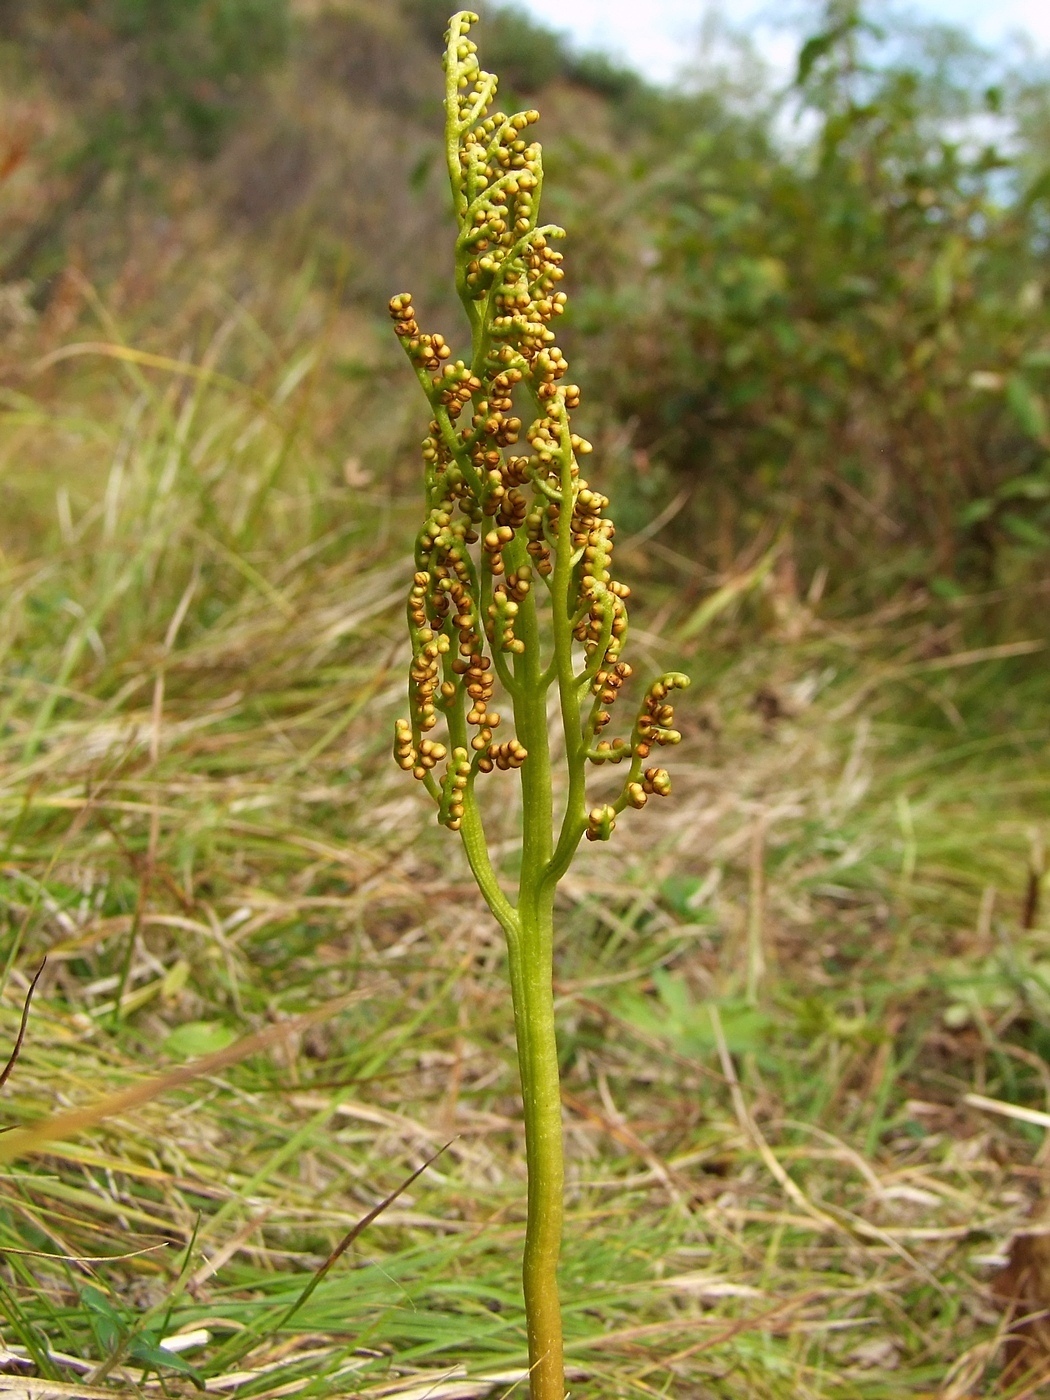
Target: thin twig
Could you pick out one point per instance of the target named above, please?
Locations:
(5, 1075)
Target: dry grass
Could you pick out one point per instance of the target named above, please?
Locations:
(776, 1194)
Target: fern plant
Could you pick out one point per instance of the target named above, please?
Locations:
(513, 590)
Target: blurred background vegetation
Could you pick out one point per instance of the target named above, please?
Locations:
(820, 308)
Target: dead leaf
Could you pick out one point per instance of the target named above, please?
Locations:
(1023, 1291)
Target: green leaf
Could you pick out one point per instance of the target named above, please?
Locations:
(196, 1038)
(975, 512)
(686, 1023)
(97, 1303)
(108, 1325)
(147, 1349)
(816, 1016)
(1038, 189)
(108, 1335)
(1026, 531)
(677, 892)
(813, 50)
(1030, 487)
(1028, 408)
(946, 588)
(944, 279)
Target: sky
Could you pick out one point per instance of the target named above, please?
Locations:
(663, 41)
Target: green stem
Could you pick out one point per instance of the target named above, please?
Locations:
(541, 1095)
(472, 833)
(532, 983)
(574, 820)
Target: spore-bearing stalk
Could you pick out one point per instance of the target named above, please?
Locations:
(513, 590)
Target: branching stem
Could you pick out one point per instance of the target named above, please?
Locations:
(496, 524)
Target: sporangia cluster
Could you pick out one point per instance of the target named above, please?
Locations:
(508, 520)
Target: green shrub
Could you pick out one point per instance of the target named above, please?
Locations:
(851, 332)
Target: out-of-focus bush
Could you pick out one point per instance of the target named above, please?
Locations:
(139, 77)
(161, 73)
(824, 309)
(848, 329)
